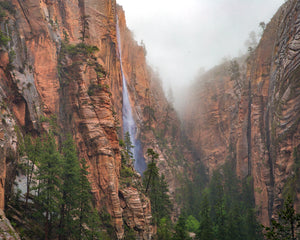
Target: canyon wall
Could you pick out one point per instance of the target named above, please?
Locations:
(247, 111)
(60, 70)
(159, 127)
(46, 74)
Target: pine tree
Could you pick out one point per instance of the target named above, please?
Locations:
(157, 189)
(164, 204)
(70, 190)
(33, 149)
(151, 173)
(48, 184)
(63, 194)
(205, 231)
(128, 147)
(86, 214)
(84, 22)
(288, 225)
(180, 229)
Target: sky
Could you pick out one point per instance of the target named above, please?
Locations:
(184, 36)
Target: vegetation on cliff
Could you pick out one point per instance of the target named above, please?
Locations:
(287, 226)
(58, 199)
(216, 194)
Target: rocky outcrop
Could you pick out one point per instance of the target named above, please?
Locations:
(6, 230)
(250, 114)
(8, 137)
(159, 127)
(46, 74)
(137, 212)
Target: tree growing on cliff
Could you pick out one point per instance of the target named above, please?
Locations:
(33, 148)
(151, 173)
(148, 110)
(227, 208)
(63, 201)
(128, 146)
(181, 232)
(156, 188)
(49, 184)
(69, 190)
(287, 227)
(205, 230)
(84, 23)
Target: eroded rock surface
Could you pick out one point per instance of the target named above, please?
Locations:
(83, 90)
(254, 118)
(6, 230)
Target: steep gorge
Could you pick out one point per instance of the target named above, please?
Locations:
(250, 114)
(48, 74)
(251, 118)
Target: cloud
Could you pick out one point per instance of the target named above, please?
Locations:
(183, 36)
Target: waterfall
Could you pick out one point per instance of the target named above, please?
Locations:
(128, 120)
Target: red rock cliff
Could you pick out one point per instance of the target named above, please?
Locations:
(158, 124)
(46, 79)
(253, 117)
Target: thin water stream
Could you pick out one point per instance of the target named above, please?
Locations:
(129, 124)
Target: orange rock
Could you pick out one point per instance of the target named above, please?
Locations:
(253, 121)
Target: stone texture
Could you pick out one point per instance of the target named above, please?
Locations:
(137, 212)
(37, 88)
(164, 134)
(255, 120)
(6, 230)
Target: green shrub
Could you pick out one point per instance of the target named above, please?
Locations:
(94, 87)
(100, 70)
(126, 172)
(4, 39)
(80, 48)
(192, 224)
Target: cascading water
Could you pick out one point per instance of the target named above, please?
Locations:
(128, 120)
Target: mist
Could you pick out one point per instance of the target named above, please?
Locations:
(183, 38)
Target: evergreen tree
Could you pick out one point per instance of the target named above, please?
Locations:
(64, 199)
(288, 225)
(87, 215)
(157, 189)
(227, 208)
(84, 23)
(164, 205)
(70, 190)
(180, 229)
(151, 173)
(205, 231)
(128, 147)
(49, 184)
(33, 149)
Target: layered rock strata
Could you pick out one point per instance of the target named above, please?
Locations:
(253, 117)
(43, 77)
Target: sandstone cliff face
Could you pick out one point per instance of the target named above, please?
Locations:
(6, 230)
(254, 118)
(82, 89)
(158, 124)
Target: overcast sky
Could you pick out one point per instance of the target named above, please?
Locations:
(182, 36)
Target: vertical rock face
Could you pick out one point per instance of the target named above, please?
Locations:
(82, 89)
(137, 212)
(8, 138)
(6, 230)
(253, 118)
(158, 124)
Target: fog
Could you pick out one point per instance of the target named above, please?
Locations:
(183, 37)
